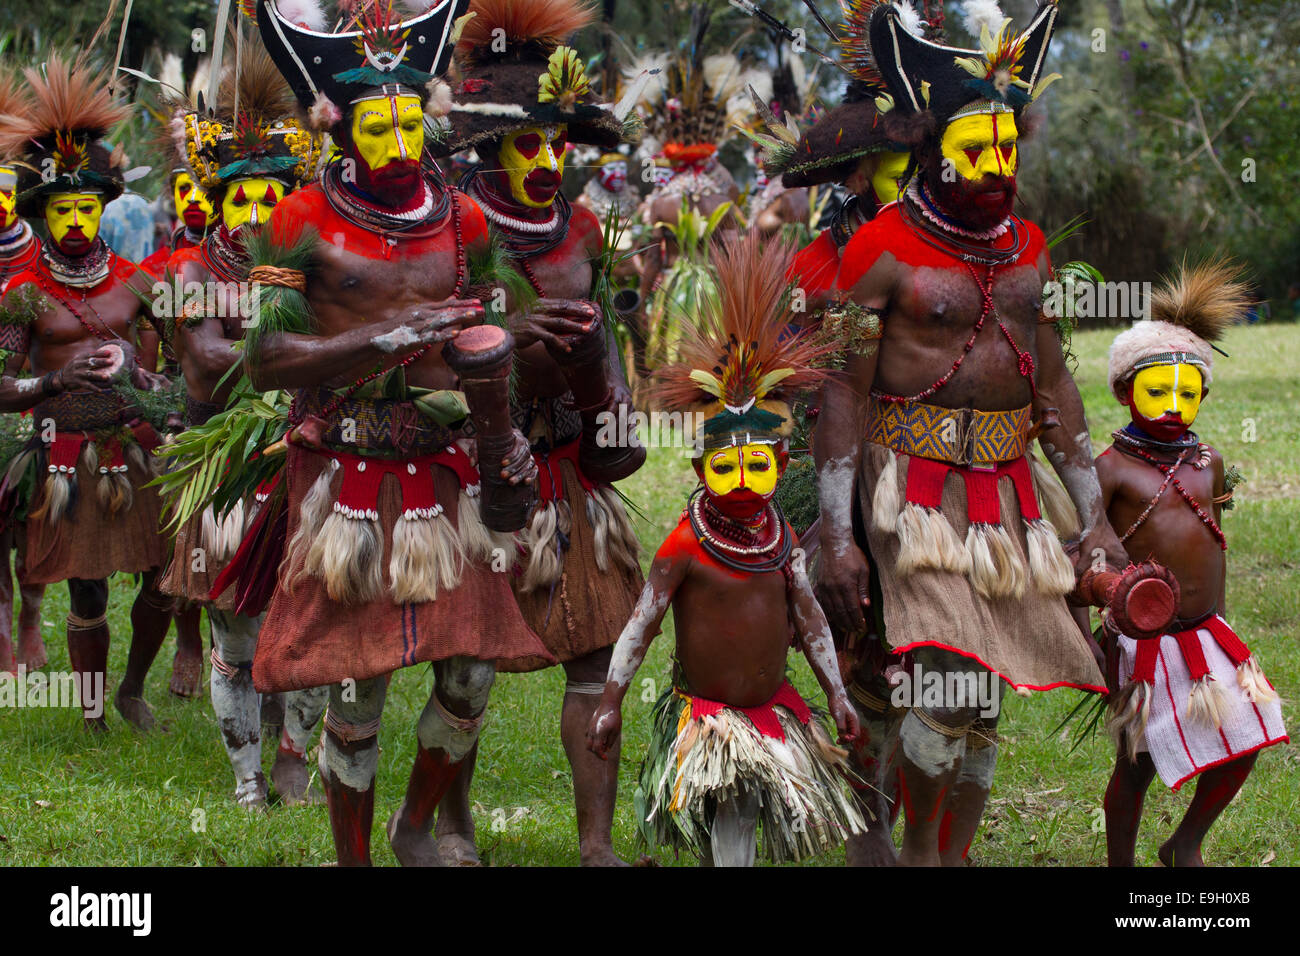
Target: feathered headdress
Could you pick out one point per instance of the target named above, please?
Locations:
(737, 365)
(516, 71)
(13, 105)
(252, 131)
(833, 146)
(68, 112)
(1190, 310)
(928, 84)
(372, 48)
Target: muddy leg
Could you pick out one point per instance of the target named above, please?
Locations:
(1123, 804)
(733, 838)
(929, 760)
(348, 759)
(961, 819)
(446, 733)
(289, 774)
(88, 645)
(31, 645)
(187, 664)
(455, 826)
(151, 616)
(236, 703)
(595, 781)
(1214, 791)
(8, 663)
(872, 759)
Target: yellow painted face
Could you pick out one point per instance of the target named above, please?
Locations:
(753, 466)
(190, 198)
(388, 129)
(886, 180)
(982, 145)
(533, 159)
(1161, 390)
(250, 202)
(73, 217)
(8, 196)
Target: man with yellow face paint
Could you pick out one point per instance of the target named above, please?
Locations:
(391, 337)
(578, 576)
(76, 316)
(1193, 702)
(247, 163)
(196, 213)
(19, 250)
(950, 371)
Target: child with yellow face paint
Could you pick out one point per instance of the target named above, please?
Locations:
(1192, 702)
(735, 579)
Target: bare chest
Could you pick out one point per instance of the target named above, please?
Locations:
(347, 289)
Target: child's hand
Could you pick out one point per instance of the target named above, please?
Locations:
(606, 725)
(846, 717)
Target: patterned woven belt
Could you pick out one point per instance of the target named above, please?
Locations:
(961, 436)
(84, 411)
(379, 427)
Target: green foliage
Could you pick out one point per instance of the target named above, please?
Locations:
(223, 460)
(279, 309)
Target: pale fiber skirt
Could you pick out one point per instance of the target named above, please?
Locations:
(1031, 642)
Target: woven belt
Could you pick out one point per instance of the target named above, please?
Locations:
(85, 410)
(961, 436)
(379, 427)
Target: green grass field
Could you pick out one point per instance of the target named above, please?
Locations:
(69, 799)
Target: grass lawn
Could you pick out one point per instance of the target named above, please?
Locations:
(69, 799)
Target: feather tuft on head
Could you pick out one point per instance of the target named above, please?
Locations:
(542, 23)
(735, 355)
(909, 18)
(308, 14)
(978, 15)
(1204, 299)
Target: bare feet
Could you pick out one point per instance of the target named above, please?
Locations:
(292, 779)
(1172, 854)
(251, 794)
(187, 674)
(135, 710)
(603, 856)
(411, 848)
(456, 849)
(31, 648)
(873, 848)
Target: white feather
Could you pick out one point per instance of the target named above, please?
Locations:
(982, 13)
(418, 7)
(910, 19)
(303, 13)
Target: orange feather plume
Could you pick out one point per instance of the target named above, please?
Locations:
(541, 23)
(64, 97)
(739, 338)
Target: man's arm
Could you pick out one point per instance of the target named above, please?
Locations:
(819, 648)
(837, 452)
(295, 360)
(666, 575)
(1069, 449)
